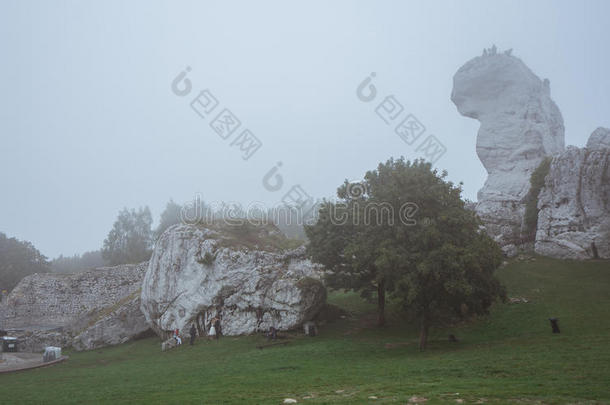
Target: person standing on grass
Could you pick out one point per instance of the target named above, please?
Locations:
(217, 327)
(193, 333)
(212, 332)
(177, 337)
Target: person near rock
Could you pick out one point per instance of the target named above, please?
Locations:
(193, 333)
(272, 334)
(217, 327)
(177, 337)
(212, 331)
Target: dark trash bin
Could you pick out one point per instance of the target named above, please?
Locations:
(9, 344)
(555, 325)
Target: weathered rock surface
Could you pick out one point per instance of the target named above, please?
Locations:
(120, 323)
(574, 216)
(520, 125)
(238, 274)
(87, 310)
(599, 139)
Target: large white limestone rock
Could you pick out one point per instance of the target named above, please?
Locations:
(574, 216)
(520, 125)
(235, 273)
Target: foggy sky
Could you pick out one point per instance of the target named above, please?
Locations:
(89, 124)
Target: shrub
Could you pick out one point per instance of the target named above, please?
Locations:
(530, 219)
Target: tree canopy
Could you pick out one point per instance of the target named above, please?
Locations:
(130, 239)
(77, 263)
(17, 260)
(170, 216)
(404, 230)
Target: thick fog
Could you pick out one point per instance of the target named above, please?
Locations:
(90, 123)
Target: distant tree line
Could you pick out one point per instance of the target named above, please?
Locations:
(289, 220)
(17, 260)
(130, 240)
(77, 263)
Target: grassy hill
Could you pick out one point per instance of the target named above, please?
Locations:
(509, 357)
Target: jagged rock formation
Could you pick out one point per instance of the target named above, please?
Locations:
(574, 216)
(599, 139)
(85, 310)
(520, 125)
(236, 273)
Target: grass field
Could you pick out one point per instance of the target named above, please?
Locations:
(509, 357)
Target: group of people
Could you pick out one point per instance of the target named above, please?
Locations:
(213, 332)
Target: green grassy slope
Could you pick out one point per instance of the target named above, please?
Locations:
(510, 356)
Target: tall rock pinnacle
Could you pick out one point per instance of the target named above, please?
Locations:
(520, 125)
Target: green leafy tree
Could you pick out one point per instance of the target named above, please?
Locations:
(131, 237)
(410, 235)
(170, 216)
(530, 219)
(360, 237)
(452, 279)
(17, 260)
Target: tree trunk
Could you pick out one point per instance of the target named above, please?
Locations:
(423, 334)
(381, 303)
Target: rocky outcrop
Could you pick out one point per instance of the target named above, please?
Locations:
(574, 216)
(117, 324)
(520, 125)
(238, 273)
(86, 310)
